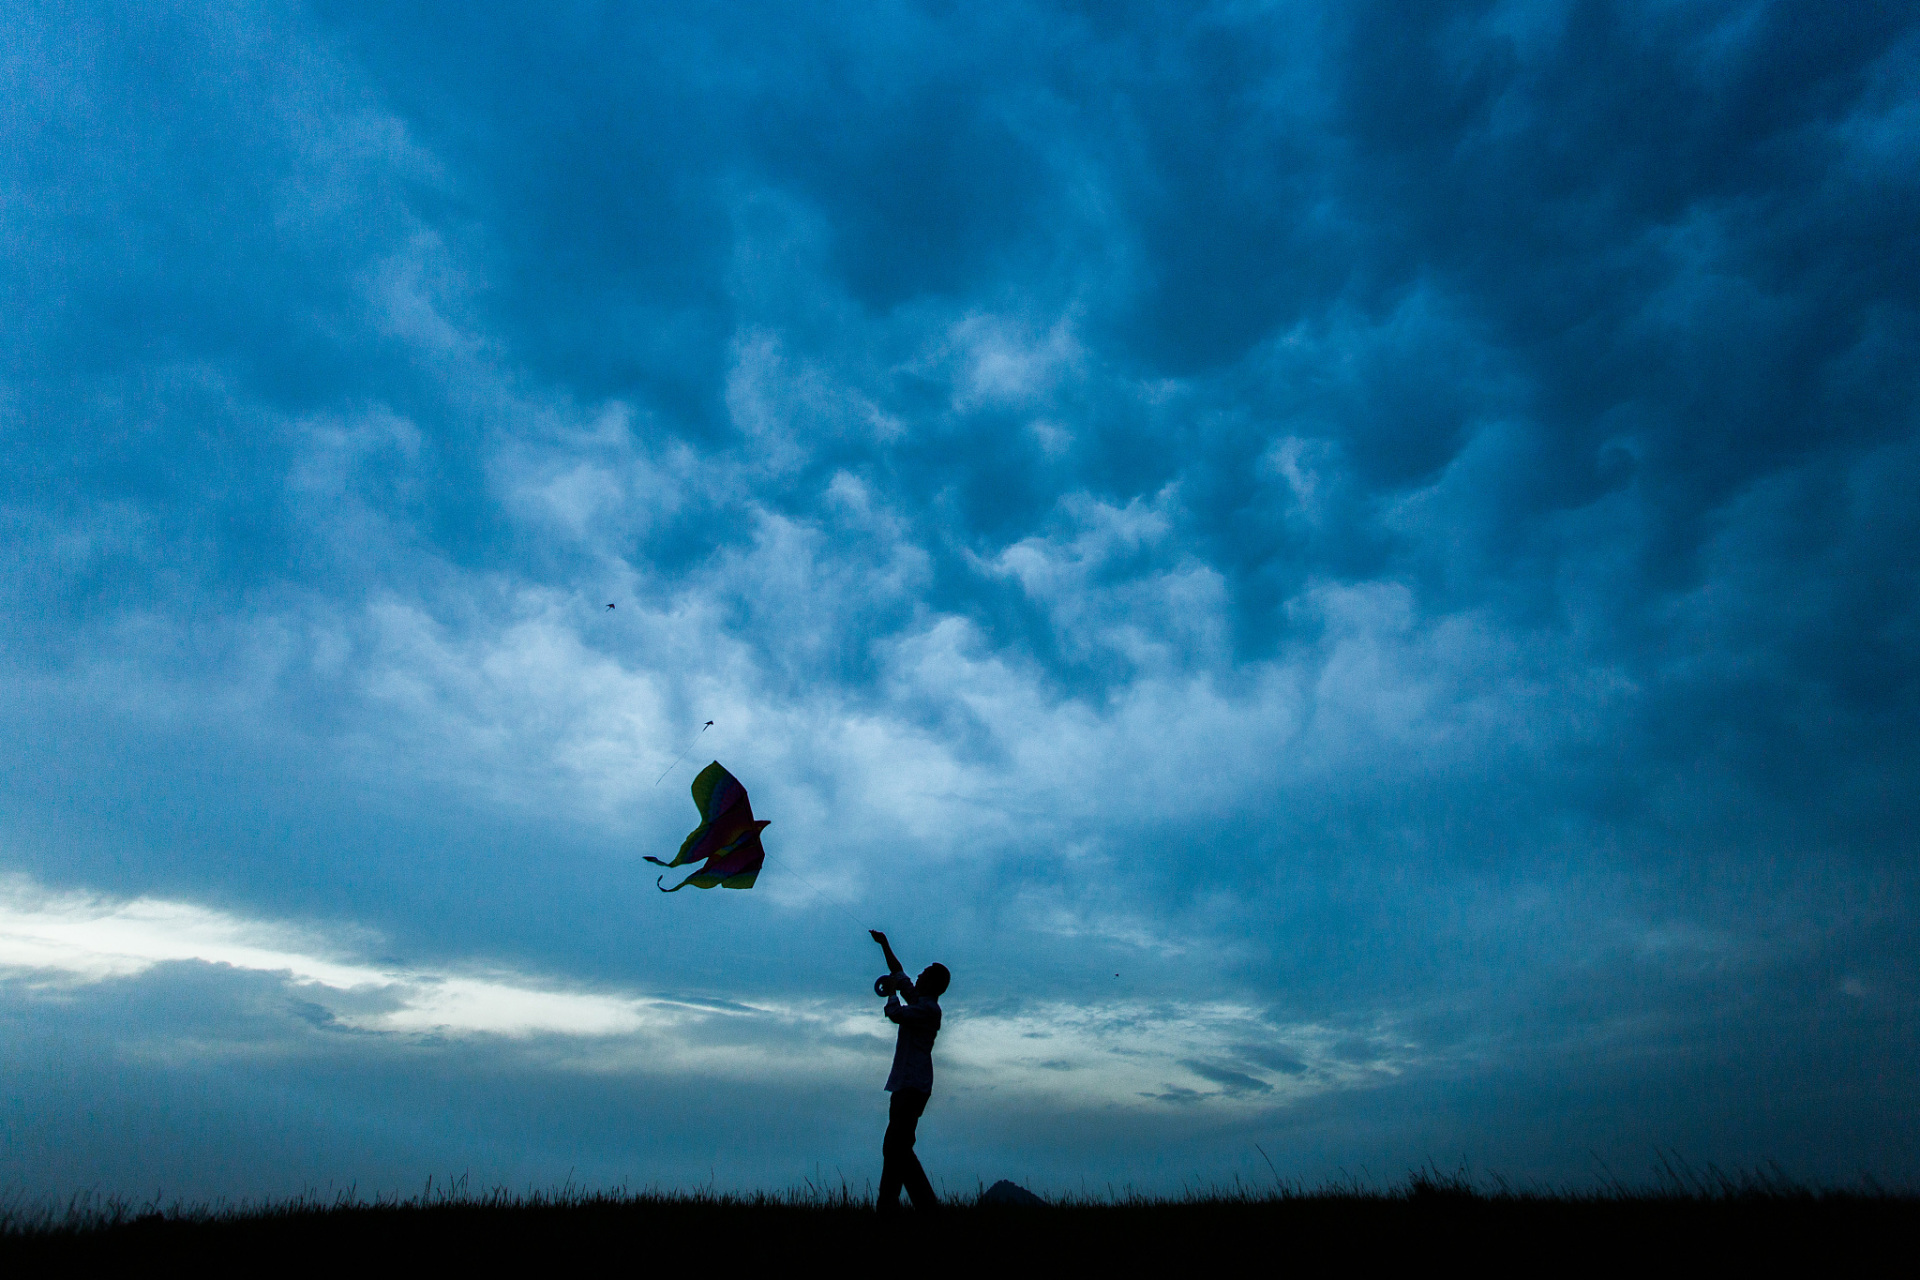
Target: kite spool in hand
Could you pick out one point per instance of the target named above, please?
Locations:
(888, 983)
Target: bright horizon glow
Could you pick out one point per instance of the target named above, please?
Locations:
(1065, 1056)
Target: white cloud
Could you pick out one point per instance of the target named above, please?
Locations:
(1157, 617)
(1137, 1053)
(1004, 362)
(80, 938)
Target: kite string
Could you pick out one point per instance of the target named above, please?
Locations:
(683, 755)
(820, 893)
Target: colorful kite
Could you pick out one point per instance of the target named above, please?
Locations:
(728, 836)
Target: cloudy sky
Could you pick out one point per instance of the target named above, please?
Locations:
(1350, 568)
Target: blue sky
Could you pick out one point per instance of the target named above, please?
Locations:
(1350, 570)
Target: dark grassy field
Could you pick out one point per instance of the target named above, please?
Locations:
(1750, 1224)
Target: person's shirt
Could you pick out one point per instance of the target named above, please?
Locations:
(919, 1021)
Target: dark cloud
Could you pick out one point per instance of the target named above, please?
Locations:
(1229, 1080)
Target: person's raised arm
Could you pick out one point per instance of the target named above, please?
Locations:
(893, 961)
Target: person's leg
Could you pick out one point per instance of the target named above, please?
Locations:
(919, 1190)
(902, 1117)
(904, 1161)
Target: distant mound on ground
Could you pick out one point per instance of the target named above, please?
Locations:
(1011, 1193)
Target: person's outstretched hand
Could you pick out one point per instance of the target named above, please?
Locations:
(893, 961)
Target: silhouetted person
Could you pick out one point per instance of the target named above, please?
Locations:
(911, 1082)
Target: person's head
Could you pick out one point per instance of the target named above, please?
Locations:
(933, 980)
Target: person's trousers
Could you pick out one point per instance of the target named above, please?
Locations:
(902, 1167)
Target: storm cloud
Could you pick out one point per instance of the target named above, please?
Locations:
(1349, 569)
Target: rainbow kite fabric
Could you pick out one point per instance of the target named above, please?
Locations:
(728, 837)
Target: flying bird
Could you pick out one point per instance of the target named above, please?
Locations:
(727, 839)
